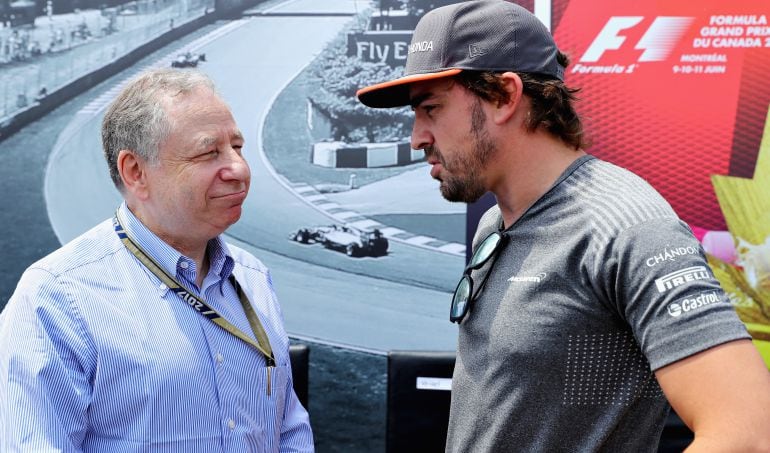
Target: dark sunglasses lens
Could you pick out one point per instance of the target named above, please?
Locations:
(460, 299)
(485, 250)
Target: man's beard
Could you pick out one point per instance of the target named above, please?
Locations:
(466, 185)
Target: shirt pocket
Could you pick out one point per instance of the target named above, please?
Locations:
(278, 386)
(266, 417)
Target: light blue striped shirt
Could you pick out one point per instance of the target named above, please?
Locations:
(96, 354)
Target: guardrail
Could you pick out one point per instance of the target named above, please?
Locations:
(72, 72)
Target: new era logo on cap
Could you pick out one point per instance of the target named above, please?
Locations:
(474, 51)
(476, 35)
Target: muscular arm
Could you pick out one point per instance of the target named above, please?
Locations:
(723, 395)
(708, 369)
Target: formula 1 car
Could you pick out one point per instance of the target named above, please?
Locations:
(353, 241)
(188, 60)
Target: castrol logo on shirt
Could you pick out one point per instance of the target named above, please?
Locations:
(691, 303)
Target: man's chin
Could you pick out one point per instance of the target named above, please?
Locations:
(458, 196)
(231, 215)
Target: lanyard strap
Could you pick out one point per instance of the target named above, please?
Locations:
(263, 342)
(256, 326)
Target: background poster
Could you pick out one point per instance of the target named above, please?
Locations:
(675, 91)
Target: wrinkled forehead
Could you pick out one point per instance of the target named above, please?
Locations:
(197, 108)
(172, 99)
(200, 120)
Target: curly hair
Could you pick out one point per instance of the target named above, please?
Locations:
(551, 101)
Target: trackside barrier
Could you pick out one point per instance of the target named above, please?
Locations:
(418, 396)
(364, 155)
(299, 355)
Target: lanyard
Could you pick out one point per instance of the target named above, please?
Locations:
(262, 344)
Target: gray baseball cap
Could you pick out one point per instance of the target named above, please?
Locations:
(478, 35)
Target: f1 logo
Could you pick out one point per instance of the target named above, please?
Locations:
(657, 42)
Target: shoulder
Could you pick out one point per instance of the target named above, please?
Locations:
(85, 250)
(606, 183)
(491, 217)
(490, 221)
(49, 286)
(614, 199)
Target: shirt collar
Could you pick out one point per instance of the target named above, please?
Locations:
(220, 260)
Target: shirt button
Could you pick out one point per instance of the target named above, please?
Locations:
(219, 358)
(231, 424)
(184, 265)
(162, 287)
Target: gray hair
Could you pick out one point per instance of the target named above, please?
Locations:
(136, 121)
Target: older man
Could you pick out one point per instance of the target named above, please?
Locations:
(149, 332)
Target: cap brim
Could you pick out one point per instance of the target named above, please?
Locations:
(396, 92)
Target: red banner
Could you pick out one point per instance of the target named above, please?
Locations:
(676, 91)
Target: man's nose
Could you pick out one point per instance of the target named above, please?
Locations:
(421, 137)
(236, 166)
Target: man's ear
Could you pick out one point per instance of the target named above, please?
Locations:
(514, 86)
(133, 173)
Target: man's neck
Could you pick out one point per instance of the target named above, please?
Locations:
(197, 253)
(196, 250)
(529, 172)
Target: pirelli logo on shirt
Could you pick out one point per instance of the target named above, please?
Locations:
(682, 277)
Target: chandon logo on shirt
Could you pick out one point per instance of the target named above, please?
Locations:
(534, 279)
(691, 303)
(680, 277)
(670, 254)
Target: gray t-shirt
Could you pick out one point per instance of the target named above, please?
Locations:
(598, 284)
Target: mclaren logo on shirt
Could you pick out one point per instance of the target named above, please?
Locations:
(531, 279)
(681, 277)
(691, 303)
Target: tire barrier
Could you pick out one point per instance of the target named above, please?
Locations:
(365, 155)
